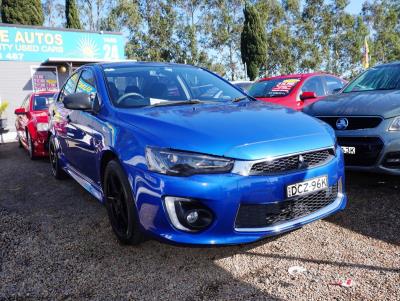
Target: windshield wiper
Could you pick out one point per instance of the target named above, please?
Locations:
(177, 103)
(237, 99)
(384, 89)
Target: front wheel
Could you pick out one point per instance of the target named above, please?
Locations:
(31, 146)
(120, 205)
(56, 169)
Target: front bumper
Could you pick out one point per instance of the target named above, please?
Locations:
(372, 159)
(224, 194)
(40, 141)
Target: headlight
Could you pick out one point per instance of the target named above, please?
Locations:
(395, 126)
(178, 163)
(42, 127)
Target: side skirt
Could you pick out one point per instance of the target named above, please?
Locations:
(85, 182)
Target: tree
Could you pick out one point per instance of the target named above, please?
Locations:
(54, 13)
(72, 15)
(383, 16)
(26, 12)
(189, 29)
(253, 42)
(92, 13)
(224, 23)
(154, 38)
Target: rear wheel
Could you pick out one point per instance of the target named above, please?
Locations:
(56, 170)
(120, 205)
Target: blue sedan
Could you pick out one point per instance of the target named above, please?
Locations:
(178, 153)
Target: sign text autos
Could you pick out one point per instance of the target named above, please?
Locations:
(25, 44)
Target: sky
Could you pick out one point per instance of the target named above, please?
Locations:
(354, 6)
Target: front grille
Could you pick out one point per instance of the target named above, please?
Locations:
(355, 122)
(265, 215)
(367, 150)
(292, 163)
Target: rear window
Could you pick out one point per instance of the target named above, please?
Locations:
(274, 87)
(42, 102)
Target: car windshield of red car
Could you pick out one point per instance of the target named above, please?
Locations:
(274, 87)
(42, 102)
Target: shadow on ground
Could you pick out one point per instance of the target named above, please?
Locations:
(373, 208)
(57, 243)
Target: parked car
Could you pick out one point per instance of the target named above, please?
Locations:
(296, 91)
(177, 152)
(366, 117)
(32, 123)
(244, 85)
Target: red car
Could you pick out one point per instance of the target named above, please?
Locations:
(32, 123)
(296, 90)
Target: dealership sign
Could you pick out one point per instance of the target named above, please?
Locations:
(37, 45)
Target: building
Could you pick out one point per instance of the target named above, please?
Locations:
(39, 58)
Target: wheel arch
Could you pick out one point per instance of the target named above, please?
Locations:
(106, 157)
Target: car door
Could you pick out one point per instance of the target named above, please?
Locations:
(82, 137)
(59, 116)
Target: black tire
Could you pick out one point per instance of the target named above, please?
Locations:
(56, 170)
(120, 205)
(31, 146)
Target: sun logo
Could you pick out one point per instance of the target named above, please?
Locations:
(88, 47)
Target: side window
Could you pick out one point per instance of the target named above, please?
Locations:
(314, 84)
(333, 84)
(69, 87)
(86, 83)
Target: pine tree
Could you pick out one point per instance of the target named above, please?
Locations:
(26, 12)
(253, 43)
(72, 15)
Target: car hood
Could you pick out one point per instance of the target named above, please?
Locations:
(382, 103)
(248, 131)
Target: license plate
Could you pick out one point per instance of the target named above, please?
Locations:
(349, 150)
(307, 187)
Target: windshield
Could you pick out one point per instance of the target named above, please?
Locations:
(42, 102)
(380, 78)
(138, 86)
(273, 87)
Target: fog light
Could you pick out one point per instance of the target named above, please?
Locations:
(392, 160)
(192, 217)
(187, 214)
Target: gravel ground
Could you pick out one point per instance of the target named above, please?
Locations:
(56, 244)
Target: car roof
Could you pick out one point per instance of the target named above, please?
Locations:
(38, 93)
(388, 64)
(138, 64)
(297, 75)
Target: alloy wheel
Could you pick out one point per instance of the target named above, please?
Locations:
(118, 207)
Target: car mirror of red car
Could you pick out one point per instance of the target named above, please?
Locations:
(20, 111)
(307, 95)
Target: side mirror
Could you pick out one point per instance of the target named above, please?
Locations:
(20, 111)
(307, 95)
(78, 101)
